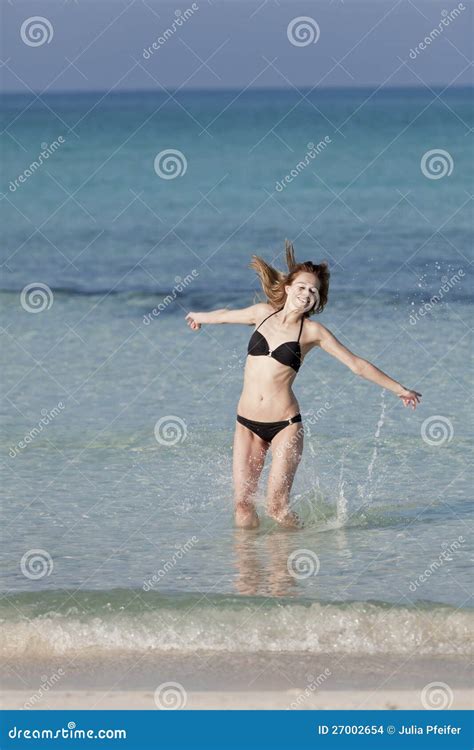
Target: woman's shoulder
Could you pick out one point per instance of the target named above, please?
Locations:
(266, 307)
(314, 331)
(263, 310)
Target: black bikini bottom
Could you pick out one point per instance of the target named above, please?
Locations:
(267, 430)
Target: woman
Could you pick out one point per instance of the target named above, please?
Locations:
(268, 412)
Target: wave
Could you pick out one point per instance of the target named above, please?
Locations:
(73, 291)
(195, 298)
(127, 621)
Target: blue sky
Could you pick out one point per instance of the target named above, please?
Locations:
(99, 45)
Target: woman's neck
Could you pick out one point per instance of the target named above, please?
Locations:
(288, 317)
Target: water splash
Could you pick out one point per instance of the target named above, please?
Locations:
(366, 491)
(316, 507)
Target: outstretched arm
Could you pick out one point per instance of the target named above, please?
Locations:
(363, 368)
(245, 316)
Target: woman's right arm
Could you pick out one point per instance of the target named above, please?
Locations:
(245, 316)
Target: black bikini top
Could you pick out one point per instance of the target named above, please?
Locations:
(288, 353)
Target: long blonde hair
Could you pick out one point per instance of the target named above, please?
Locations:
(274, 281)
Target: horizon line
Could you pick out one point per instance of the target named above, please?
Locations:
(259, 89)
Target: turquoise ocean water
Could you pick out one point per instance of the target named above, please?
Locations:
(116, 526)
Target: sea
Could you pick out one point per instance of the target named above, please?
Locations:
(121, 213)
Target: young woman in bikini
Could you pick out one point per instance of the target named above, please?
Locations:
(268, 412)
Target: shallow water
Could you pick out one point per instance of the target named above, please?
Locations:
(112, 506)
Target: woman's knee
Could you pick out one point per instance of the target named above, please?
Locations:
(243, 493)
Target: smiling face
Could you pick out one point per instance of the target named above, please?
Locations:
(303, 292)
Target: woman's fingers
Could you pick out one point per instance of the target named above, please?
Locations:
(412, 398)
(191, 322)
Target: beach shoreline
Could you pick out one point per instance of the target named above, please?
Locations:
(215, 680)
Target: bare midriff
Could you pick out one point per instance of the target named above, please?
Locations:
(267, 395)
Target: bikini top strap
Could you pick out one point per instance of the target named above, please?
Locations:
(301, 327)
(268, 316)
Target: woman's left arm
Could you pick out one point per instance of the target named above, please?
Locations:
(362, 367)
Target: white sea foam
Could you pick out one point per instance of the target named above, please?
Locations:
(360, 628)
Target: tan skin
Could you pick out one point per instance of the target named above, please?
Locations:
(267, 396)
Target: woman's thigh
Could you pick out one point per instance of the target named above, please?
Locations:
(249, 458)
(287, 449)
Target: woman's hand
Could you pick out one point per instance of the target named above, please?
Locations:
(410, 398)
(192, 320)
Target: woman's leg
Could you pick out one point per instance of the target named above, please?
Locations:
(249, 457)
(287, 449)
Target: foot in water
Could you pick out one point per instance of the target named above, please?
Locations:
(246, 516)
(287, 518)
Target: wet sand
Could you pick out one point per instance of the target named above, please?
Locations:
(230, 681)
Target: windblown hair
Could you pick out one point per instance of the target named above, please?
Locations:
(273, 281)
